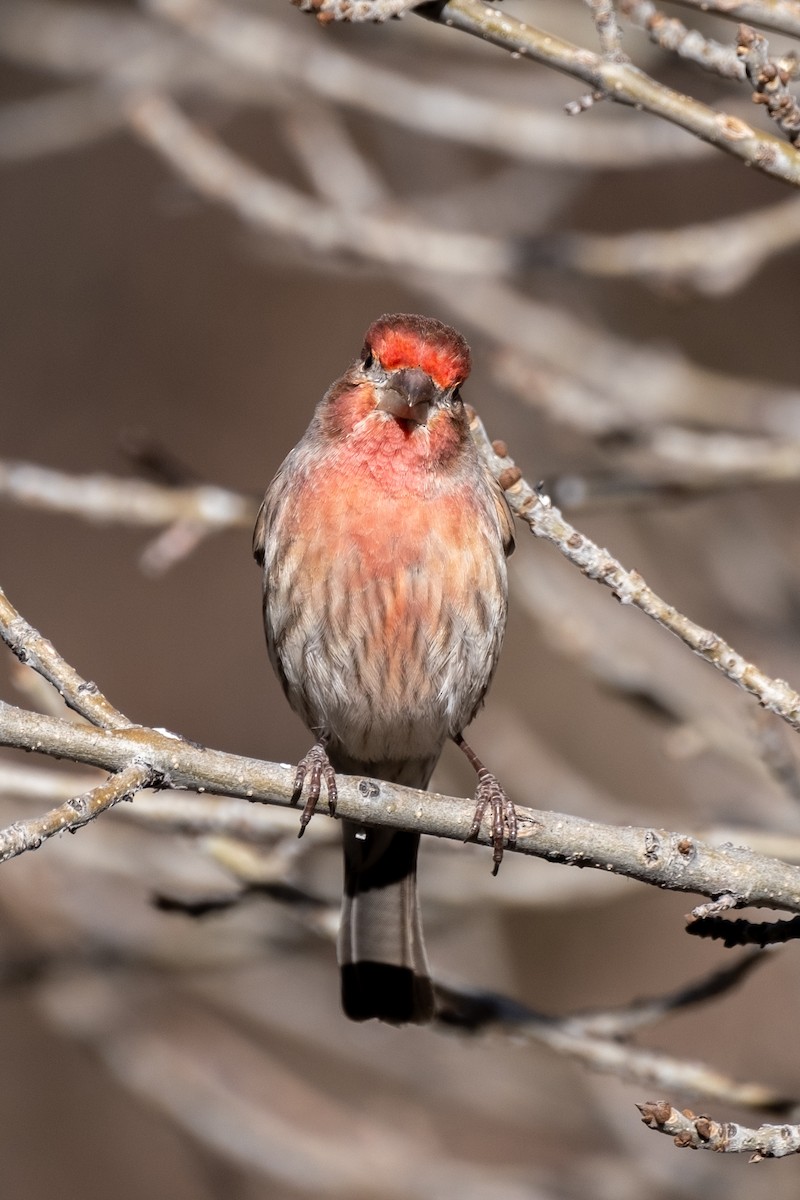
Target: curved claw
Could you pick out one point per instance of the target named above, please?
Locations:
(490, 795)
(317, 766)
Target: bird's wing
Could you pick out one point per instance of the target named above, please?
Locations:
(504, 517)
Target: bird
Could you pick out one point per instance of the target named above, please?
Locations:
(383, 540)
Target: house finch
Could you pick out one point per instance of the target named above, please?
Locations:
(383, 540)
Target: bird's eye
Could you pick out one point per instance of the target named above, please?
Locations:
(368, 360)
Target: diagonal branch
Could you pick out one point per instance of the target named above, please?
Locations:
(623, 82)
(217, 173)
(31, 648)
(74, 814)
(545, 521)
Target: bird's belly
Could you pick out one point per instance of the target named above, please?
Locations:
(393, 640)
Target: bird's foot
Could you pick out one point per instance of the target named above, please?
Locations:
(491, 796)
(314, 767)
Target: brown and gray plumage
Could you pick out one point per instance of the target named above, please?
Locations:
(383, 540)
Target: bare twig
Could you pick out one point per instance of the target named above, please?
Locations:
(702, 1133)
(770, 81)
(74, 814)
(355, 10)
(671, 34)
(546, 522)
(34, 650)
(474, 1011)
(714, 257)
(106, 499)
(521, 131)
(781, 15)
(624, 83)
(609, 34)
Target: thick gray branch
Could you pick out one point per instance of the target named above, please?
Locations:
(653, 856)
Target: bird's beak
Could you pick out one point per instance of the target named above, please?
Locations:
(407, 395)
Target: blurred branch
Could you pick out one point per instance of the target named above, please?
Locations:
(602, 384)
(671, 34)
(609, 657)
(356, 10)
(434, 109)
(642, 1014)
(220, 175)
(478, 1011)
(781, 15)
(713, 257)
(274, 64)
(609, 34)
(58, 122)
(702, 1133)
(746, 933)
(106, 499)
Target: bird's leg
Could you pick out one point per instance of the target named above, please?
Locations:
(491, 795)
(316, 766)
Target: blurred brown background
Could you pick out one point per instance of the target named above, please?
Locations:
(153, 1055)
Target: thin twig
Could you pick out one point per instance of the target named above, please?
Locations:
(74, 814)
(474, 1011)
(622, 82)
(355, 10)
(671, 34)
(629, 587)
(702, 1133)
(770, 81)
(781, 15)
(265, 50)
(35, 651)
(713, 257)
(609, 33)
(106, 499)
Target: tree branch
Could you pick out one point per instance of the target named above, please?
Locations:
(31, 648)
(74, 814)
(545, 521)
(624, 83)
(781, 15)
(702, 1133)
(653, 856)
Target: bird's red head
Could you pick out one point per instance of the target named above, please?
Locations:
(405, 340)
(398, 408)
